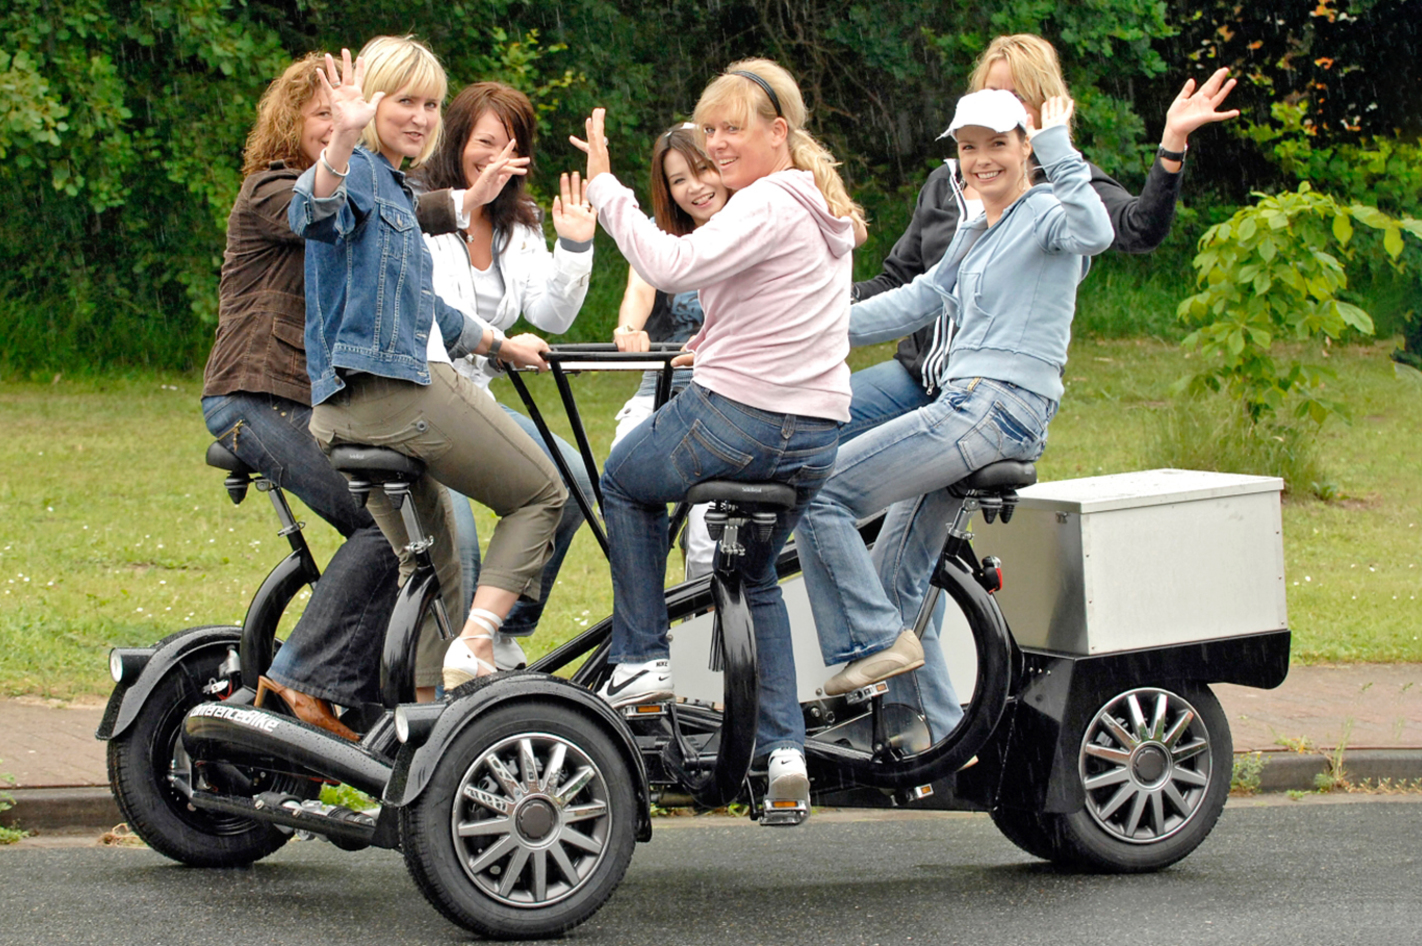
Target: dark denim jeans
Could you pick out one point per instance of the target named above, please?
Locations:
(333, 652)
(703, 436)
(523, 619)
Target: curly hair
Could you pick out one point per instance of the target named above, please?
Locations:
(277, 134)
(445, 167)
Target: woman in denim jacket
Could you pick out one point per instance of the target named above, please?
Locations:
(379, 343)
(1007, 283)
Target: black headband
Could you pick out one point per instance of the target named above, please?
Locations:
(774, 99)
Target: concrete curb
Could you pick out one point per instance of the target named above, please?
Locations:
(93, 807)
(1286, 771)
(62, 809)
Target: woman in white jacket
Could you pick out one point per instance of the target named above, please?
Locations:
(497, 268)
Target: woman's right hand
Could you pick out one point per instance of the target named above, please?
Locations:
(632, 339)
(350, 112)
(524, 351)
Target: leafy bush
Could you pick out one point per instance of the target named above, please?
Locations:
(1268, 274)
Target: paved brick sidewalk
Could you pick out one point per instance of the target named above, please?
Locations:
(1363, 706)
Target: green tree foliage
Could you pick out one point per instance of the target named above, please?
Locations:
(1275, 271)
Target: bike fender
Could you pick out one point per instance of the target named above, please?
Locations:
(1062, 693)
(414, 767)
(125, 702)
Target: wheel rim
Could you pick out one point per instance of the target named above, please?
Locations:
(531, 820)
(1146, 765)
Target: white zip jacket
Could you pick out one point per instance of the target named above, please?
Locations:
(546, 288)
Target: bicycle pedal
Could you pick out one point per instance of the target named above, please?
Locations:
(783, 813)
(646, 710)
(866, 693)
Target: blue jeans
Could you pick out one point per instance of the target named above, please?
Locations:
(333, 652)
(861, 602)
(703, 436)
(523, 619)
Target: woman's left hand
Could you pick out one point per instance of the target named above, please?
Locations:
(1193, 108)
(595, 147)
(1056, 110)
(573, 217)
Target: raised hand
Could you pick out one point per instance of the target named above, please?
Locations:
(573, 217)
(1195, 107)
(1056, 110)
(595, 147)
(350, 112)
(496, 174)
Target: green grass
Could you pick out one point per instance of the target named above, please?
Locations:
(113, 531)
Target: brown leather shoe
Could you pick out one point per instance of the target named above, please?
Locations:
(307, 708)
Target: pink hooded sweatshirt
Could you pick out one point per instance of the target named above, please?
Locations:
(774, 271)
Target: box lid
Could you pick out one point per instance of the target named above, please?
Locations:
(1144, 488)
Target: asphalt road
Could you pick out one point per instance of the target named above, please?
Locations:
(1332, 871)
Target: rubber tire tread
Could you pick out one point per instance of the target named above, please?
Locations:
(1026, 830)
(148, 806)
(1083, 845)
(429, 852)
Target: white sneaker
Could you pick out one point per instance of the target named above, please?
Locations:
(649, 682)
(508, 653)
(789, 780)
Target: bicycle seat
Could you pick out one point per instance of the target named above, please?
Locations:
(375, 463)
(224, 459)
(1000, 477)
(748, 495)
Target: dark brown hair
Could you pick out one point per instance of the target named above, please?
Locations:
(682, 139)
(445, 167)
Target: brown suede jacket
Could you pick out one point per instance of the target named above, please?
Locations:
(261, 318)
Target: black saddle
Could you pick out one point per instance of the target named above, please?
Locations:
(746, 495)
(377, 464)
(1004, 476)
(224, 459)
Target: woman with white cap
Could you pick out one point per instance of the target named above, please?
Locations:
(1007, 283)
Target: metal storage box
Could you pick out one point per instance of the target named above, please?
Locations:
(1132, 560)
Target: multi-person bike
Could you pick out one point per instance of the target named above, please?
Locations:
(517, 798)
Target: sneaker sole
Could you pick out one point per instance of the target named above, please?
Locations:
(841, 689)
(789, 788)
(636, 699)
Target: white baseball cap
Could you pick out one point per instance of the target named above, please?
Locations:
(997, 109)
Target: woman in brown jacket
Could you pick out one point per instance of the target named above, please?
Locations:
(257, 402)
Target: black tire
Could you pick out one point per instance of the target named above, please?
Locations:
(530, 873)
(1155, 762)
(1026, 830)
(147, 764)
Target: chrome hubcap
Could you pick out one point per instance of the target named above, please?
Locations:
(1145, 763)
(531, 820)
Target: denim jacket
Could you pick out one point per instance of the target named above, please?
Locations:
(370, 297)
(1010, 288)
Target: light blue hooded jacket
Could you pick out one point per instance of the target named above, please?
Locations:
(1010, 289)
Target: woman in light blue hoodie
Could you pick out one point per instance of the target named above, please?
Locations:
(1008, 283)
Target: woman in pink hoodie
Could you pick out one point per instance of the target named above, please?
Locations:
(769, 385)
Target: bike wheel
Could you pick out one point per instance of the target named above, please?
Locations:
(151, 776)
(527, 826)
(1155, 764)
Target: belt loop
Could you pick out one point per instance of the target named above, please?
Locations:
(787, 427)
(973, 383)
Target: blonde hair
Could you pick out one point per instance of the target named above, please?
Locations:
(393, 63)
(277, 134)
(738, 98)
(1036, 71)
